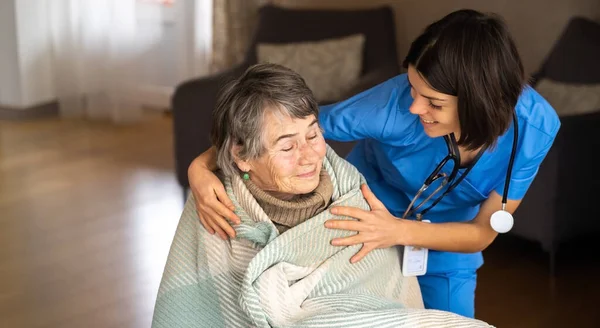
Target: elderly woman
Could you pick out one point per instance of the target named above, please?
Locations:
(280, 270)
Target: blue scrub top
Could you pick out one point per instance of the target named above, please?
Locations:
(395, 156)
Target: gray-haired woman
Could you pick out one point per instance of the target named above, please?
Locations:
(265, 129)
(281, 269)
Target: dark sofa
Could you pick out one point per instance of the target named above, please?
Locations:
(194, 100)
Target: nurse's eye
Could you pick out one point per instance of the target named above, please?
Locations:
(434, 106)
(313, 136)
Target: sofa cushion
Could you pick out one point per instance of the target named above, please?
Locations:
(330, 67)
(570, 98)
(282, 24)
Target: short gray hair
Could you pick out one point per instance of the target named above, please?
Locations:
(241, 107)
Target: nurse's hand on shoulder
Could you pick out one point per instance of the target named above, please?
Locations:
(376, 228)
(212, 203)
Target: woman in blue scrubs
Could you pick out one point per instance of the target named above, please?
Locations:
(465, 79)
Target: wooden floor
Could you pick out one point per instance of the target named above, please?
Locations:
(516, 290)
(88, 211)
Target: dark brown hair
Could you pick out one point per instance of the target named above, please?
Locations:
(471, 55)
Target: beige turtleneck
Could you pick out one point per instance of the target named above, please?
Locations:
(286, 214)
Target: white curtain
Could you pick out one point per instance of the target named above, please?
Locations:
(195, 31)
(99, 48)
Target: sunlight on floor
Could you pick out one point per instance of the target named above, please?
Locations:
(87, 215)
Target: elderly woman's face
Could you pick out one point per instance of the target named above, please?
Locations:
(294, 156)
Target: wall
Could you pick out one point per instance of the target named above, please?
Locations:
(26, 77)
(534, 32)
(158, 62)
(176, 52)
(10, 91)
(34, 51)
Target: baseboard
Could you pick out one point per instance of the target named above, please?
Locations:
(49, 109)
(158, 97)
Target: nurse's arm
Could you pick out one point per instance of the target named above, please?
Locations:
(462, 237)
(477, 234)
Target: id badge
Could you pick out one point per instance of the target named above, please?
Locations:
(414, 260)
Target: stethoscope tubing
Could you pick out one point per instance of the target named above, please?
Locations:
(455, 157)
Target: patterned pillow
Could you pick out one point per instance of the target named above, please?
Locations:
(330, 67)
(570, 99)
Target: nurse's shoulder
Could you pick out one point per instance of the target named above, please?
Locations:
(538, 126)
(537, 115)
(379, 113)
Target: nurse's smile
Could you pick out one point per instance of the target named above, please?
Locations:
(427, 121)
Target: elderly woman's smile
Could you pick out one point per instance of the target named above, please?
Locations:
(308, 175)
(293, 156)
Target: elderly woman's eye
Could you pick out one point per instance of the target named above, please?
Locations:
(288, 148)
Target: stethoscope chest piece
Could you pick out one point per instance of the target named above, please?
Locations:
(502, 221)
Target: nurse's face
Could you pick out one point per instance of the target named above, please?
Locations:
(438, 112)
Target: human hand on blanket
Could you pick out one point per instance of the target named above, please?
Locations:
(376, 228)
(212, 203)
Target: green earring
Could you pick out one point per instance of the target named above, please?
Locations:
(246, 176)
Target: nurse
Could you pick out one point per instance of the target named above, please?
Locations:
(464, 82)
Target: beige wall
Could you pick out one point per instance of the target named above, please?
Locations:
(25, 63)
(10, 91)
(535, 24)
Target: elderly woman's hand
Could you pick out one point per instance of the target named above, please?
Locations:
(376, 228)
(212, 203)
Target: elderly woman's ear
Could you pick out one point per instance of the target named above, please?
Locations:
(243, 165)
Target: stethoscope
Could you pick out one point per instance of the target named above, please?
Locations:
(501, 220)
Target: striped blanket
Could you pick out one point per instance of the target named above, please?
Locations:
(296, 279)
